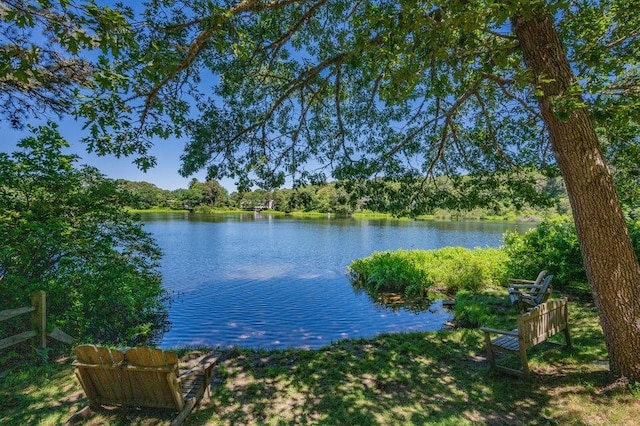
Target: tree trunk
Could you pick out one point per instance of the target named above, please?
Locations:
(611, 265)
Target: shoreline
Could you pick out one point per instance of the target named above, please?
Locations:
(528, 219)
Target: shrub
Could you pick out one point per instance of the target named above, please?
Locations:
(64, 230)
(457, 268)
(414, 272)
(552, 245)
(485, 309)
(398, 271)
(634, 231)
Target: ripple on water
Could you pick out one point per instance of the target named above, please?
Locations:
(275, 283)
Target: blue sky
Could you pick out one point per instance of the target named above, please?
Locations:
(167, 152)
(164, 175)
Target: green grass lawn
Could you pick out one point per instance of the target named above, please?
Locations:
(434, 378)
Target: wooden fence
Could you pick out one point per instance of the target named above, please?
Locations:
(38, 311)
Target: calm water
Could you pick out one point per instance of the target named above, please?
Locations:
(263, 282)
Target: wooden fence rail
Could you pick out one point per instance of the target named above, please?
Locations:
(38, 311)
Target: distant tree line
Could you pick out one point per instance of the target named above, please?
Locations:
(447, 199)
(146, 195)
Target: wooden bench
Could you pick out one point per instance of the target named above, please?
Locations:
(534, 327)
(527, 294)
(141, 377)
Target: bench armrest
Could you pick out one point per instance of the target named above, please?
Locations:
(204, 365)
(496, 331)
(531, 287)
(519, 281)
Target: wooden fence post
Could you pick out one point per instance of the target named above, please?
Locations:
(39, 317)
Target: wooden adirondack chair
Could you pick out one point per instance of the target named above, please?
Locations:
(528, 294)
(141, 377)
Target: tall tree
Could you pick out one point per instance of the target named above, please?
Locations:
(145, 195)
(612, 267)
(213, 194)
(399, 90)
(64, 229)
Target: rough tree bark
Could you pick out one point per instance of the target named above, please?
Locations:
(611, 265)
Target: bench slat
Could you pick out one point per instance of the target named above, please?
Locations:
(508, 343)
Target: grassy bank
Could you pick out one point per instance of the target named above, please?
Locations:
(157, 210)
(440, 216)
(420, 272)
(219, 210)
(439, 378)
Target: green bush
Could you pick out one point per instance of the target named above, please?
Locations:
(65, 230)
(552, 245)
(399, 271)
(415, 272)
(456, 268)
(484, 309)
(634, 231)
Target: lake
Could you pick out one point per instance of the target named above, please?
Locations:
(277, 282)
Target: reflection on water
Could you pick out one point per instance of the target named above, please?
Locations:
(268, 282)
(396, 301)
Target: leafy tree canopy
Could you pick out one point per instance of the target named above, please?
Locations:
(368, 88)
(43, 55)
(268, 91)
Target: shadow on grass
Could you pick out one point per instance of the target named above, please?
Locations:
(38, 394)
(415, 378)
(396, 379)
